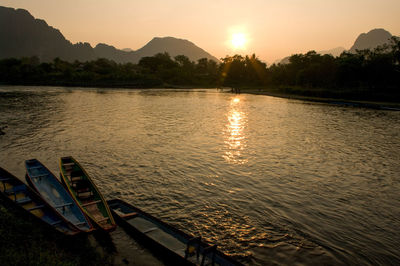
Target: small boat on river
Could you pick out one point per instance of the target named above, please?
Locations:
(86, 194)
(50, 188)
(22, 197)
(175, 246)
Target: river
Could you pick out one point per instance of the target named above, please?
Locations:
(272, 181)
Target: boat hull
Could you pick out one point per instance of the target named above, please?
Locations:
(171, 244)
(51, 189)
(86, 194)
(21, 197)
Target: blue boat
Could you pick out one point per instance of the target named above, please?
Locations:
(51, 189)
(22, 197)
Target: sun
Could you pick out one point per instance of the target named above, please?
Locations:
(238, 40)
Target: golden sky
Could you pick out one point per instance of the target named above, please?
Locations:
(272, 29)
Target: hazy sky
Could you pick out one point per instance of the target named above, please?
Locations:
(273, 28)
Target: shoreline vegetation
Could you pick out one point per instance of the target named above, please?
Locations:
(339, 100)
(370, 76)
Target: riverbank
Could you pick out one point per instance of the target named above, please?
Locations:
(25, 241)
(346, 101)
(384, 102)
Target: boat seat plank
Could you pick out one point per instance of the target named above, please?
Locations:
(76, 178)
(83, 190)
(129, 215)
(68, 166)
(5, 179)
(56, 222)
(90, 203)
(84, 196)
(35, 208)
(81, 223)
(23, 200)
(102, 220)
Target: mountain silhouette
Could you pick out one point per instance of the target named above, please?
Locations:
(21, 35)
(103, 50)
(127, 50)
(335, 51)
(371, 40)
(174, 47)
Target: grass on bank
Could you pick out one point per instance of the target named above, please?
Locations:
(25, 241)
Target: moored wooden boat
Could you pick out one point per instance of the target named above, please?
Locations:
(50, 188)
(17, 194)
(175, 246)
(86, 194)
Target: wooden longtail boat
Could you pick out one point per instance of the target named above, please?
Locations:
(85, 192)
(173, 245)
(50, 188)
(17, 194)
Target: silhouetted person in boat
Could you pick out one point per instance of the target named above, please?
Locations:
(235, 90)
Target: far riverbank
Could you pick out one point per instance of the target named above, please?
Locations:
(351, 101)
(349, 98)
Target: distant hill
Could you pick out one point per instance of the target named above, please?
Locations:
(174, 47)
(103, 50)
(371, 40)
(335, 51)
(127, 50)
(171, 45)
(22, 35)
(282, 61)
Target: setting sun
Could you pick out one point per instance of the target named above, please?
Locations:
(238, 40)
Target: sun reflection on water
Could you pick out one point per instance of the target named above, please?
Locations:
(234, 133)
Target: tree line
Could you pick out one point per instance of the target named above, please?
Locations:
(369, 74)
(365, 74)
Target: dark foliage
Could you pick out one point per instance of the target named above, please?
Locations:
(366, 74)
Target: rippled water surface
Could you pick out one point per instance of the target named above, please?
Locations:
(272, 181)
